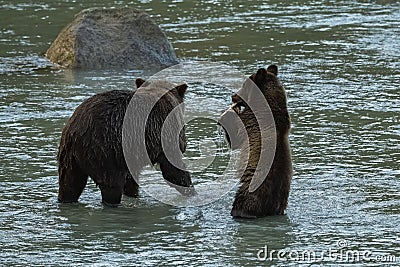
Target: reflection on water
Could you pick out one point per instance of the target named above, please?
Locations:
(339, 62)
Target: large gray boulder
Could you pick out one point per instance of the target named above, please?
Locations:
(100, 38)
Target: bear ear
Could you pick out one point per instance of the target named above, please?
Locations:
(260, 76)
(139, 82)
(236, 98)
(273, 69)
(181, 89)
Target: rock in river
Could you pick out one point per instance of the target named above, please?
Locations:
(101, 38)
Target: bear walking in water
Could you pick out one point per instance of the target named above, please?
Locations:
(91, 143)
(270, 196)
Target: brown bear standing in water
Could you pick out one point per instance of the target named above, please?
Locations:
(91, 144)
(271, 196)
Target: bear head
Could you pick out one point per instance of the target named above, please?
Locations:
(260, 102)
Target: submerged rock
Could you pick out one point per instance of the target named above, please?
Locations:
(112, 38)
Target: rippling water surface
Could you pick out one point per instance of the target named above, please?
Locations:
(339, 61)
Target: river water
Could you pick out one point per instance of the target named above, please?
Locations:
(340, 64)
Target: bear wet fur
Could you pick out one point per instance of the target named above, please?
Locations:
(91, 145)
(271, 197)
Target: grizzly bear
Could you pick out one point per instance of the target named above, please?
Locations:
(270, 197)
(91, 144)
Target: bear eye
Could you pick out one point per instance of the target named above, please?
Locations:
(239, 108)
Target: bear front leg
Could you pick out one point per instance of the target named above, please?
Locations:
(177, 178)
